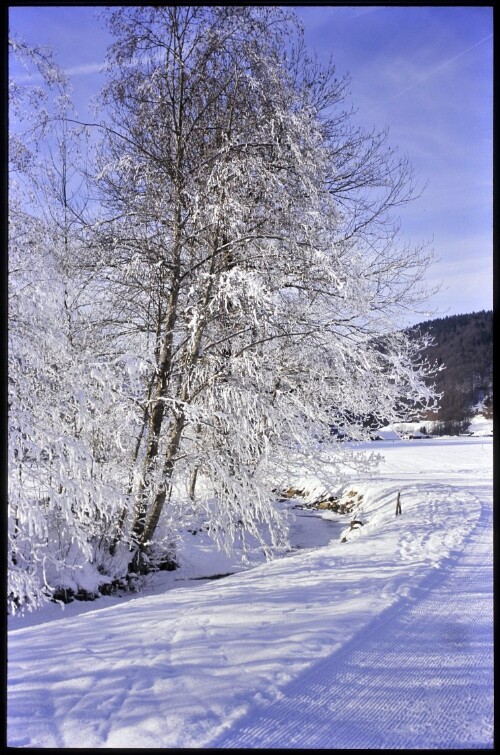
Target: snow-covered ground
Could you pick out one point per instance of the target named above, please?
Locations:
(373, 637)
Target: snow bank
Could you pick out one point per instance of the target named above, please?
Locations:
(481, 426)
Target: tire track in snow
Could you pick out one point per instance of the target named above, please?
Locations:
(420, 677)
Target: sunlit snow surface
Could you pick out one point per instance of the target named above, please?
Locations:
(381, 641)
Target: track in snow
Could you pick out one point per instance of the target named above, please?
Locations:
(420, 677)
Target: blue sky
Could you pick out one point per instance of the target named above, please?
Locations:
(425, 72)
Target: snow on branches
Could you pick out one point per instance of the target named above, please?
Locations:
(239, 278)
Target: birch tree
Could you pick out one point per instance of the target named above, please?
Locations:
(245, 248)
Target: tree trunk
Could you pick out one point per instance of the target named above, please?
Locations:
(192, 483)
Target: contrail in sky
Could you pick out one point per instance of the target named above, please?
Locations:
(434, 71)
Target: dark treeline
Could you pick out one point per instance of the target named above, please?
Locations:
(463, 344)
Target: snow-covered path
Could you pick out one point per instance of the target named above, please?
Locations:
(384, 640)
(422, 672)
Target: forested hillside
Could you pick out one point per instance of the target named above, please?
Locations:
(463, 344)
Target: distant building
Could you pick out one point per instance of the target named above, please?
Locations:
(385, 433)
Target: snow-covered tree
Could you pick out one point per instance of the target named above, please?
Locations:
(245, 247)
(189, 325)
(65, 422)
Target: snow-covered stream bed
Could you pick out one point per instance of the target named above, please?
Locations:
(312, 530)
(384, 640)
